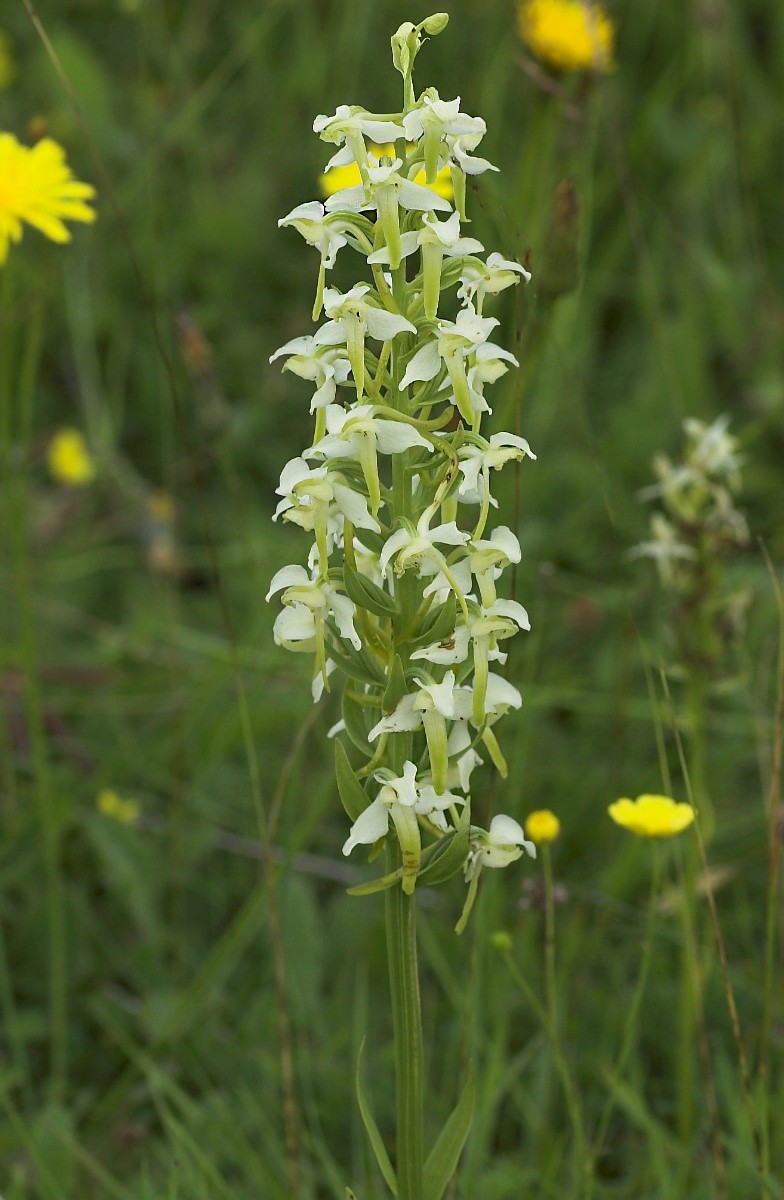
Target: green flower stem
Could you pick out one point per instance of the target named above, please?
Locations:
(15, 475)
(549, 936)
(630, 1026)
(582, 1164)
(400, 912)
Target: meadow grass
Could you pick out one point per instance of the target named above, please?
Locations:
(183, 997)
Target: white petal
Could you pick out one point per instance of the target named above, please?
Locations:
(369, 826)
(392, 437)
(423, 366)
(290, 576)
(385, 325)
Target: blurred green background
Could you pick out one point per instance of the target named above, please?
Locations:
(163, 1022)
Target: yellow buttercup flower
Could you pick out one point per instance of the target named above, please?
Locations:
(345, 177)
(7, 68)
(542, 826)
(569, 35)
(69, 459)
(37, 186)
(652, 816)
(127, 812)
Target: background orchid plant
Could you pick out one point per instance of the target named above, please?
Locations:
(399, 597)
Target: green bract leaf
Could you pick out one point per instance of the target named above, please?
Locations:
(449, 854)
(352, 794)
(438, 624)
(396, 688)
(442, 1159)
(356, 724)
(357, 664)
(368, 595)
(376, 885)
(379, 1149)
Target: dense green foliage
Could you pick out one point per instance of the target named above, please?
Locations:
(181, 988)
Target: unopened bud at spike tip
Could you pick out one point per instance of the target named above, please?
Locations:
(435, 24)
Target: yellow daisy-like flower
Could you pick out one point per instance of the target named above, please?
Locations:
(542, 826)
(569, 35)
(345, 177)
(7, 68)
(69, 459)
(37, 186)
(127, 812)
(652, 816)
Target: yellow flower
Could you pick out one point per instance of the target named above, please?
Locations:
(37, 186)
(542, 826)
(112, 805)
(69, 459)
(345, 177)
(7, 68)
(652, 816)
(569, 35)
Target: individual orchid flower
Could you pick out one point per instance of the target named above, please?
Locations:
(321, 600)
(429, 708)
(358, 433)
(488, 557)
(322, 359)
(358, 318)
(324, 230)
(387, 190)
(399, 801)
(309, 493)
(501, 620)
(477, 459)
(440, 239)
(418, 548)
(503, 843)
(478, 279)
(349, 126)
(456, 340)
(435, 120)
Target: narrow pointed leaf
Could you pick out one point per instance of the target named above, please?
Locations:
(396, 688)
(438, 625)
(449, 854)
(443, 1158)
(379, 1149)
(352, 794)
(356, 727)
(367, 594)
(376, 885)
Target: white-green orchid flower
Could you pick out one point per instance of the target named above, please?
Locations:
(324, 230)
(489, 557)
(358, 318)
(430, 707)
(478, 278)
(317, 597)
(436, 240)
(503, 843)
(456, 340)
(350, 125)
(479, 458)
(436, 120)
(359, 434)
(310, 494)
(499, 846)
(322, 359)
(419, 548)
(400, 801)
(387, 191)
(501, 620)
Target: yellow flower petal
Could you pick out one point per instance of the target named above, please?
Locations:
(37, 187)
(69, 459)
(652, 816)
(569, 35)
(542, 826)
(127, 812)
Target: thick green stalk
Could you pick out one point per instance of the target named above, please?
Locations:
(400, 911)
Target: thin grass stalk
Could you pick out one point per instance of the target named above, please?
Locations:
(771, 907)
(729, 991)
(17, 509)
(582, 1164)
